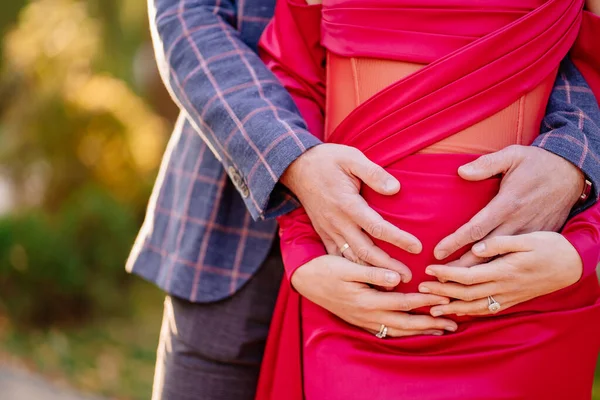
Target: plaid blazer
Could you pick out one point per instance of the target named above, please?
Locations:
(209, 224)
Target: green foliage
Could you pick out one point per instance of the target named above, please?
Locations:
(68, 267)
(79, 149)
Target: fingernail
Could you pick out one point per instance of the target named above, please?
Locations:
(437, 313)
(437, 333)
(479, 247)
(391, 277)
(390, 185)
(429, 271)
(424, 289)
(450, 328)
(440, 255)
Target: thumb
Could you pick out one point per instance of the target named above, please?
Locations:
(487, 165)
(373, 175)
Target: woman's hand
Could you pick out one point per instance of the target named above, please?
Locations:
(342, 287)
(530, 266)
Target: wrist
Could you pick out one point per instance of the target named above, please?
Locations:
(304, 272)
(574, 259)
(291, 176)
(572, 173)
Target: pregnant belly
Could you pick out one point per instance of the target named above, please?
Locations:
(434, 201)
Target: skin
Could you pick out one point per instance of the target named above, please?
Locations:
(511, 279)
(350, 297)
(502, 217)
(324, 280)
(593, 6)
(327, 180)
(533, 179)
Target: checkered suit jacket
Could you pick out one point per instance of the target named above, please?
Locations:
(209, 224)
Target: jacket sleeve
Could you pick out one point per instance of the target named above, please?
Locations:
(234, 102)
(583, 230)
(290, 46)
(571, 127)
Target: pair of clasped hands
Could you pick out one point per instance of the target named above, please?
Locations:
(511, 238)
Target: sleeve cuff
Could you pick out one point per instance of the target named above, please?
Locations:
(265, 197)
(583, 234)
(299, 241)
(299, 254)
(586, 248)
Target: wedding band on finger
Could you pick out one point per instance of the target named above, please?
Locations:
(345, 247)
(493, 305)
(382, 332)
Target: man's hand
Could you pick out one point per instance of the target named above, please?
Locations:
(342, 287)
(327, 180)
(537, 192)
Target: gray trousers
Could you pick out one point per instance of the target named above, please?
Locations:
(213, 351)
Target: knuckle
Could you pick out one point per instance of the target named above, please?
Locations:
(375, 229)
(514, 150)
(409, 324)
(352, 152)
(469, 279)
(510, 275)
(329, 217)
(346, 202)
(334, 204)
(468, 296)
(371, 275)
(476, 232)
(403, 304)
(368, 307)
(374, 171)
(457, 242)
(515, 203)
(363, 253)
(485, 161)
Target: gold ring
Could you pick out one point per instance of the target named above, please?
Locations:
(345, 247)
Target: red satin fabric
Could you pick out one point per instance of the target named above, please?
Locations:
(544, 348)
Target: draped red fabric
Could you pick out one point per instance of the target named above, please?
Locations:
(481, 57)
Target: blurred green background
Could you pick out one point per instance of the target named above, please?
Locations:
(83, 123)
(84, 120)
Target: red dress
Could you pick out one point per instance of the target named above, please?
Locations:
(481, 57)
